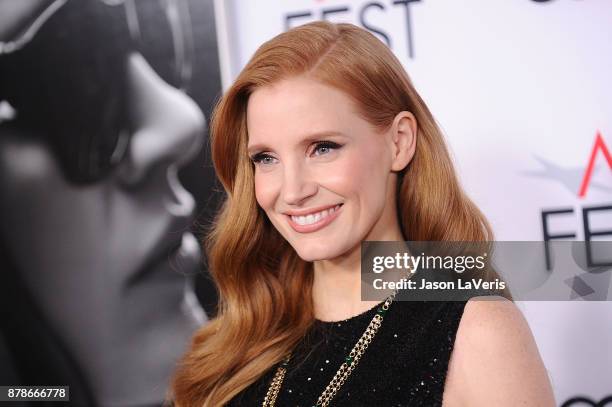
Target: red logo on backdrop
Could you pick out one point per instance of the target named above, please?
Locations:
(578, 181)
(599, 145)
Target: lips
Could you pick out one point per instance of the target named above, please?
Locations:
(181, 255)
(311, 221)
(167, 248)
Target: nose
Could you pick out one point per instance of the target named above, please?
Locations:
(167, 126)
(298, 185)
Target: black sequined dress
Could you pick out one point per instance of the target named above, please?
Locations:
(404, 365)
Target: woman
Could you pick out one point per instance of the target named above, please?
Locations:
(93, 220)
(322, 143)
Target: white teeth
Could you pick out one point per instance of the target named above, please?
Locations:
(314, 217)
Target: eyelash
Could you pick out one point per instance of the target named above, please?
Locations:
(257, 158)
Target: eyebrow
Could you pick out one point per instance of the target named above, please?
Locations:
(305, 141)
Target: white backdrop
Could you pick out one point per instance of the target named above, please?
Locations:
(521, 89)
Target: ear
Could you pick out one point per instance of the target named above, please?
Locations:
(403, 138)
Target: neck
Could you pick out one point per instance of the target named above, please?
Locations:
(336, 287)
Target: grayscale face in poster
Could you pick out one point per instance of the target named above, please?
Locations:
(96, 120)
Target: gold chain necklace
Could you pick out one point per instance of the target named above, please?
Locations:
(347, 367)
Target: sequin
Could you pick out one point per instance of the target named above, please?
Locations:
(405, 364)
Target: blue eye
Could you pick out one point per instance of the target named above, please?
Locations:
(326, 146)
(262, 158)
(320, 148)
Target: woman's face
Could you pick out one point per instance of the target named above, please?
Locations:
(104, 261)
(323, 175)
(115, 249)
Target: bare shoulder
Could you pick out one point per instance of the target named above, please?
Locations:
(495, 360)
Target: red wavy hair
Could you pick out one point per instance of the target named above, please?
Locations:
(265, 302)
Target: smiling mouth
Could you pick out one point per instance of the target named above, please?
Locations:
(314, 221)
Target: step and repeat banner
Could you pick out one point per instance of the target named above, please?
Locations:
(523, 92)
